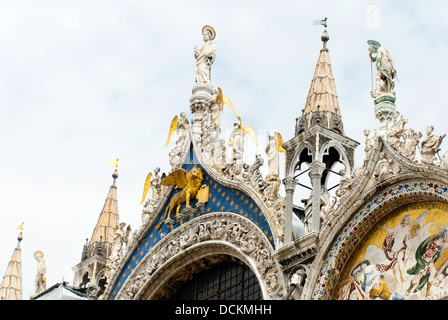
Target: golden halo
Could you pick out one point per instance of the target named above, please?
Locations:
(38, 254)
(210, 30)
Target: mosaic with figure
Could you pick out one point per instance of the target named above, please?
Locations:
(220, 199)
(403, 257)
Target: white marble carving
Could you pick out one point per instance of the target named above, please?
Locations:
(386, 73)
(153, 196)
(411, 139)
(40, 283)
(345, 185)
(205, 56)
(429, 147)
(226, 229)
(369, 144)
(395, 131)
(272, 155)
(119, 244)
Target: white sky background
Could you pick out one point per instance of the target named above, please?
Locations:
(84, 82)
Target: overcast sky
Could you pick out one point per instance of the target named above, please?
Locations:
(84, 82)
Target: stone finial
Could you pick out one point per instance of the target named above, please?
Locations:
(325, 37)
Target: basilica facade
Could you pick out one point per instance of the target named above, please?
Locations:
(215, 228)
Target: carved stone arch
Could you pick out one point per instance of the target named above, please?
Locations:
(339, 242)
(165, 282)
(305, 153)
(340, 150)
(85, 271)
(101, 279)
(205, 238)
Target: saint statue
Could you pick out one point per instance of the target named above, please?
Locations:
(215, 110)
(236, 141)
(395, 130)
(386, 73)
(205, 56)
(272, 155)
(429, 146)
(119, 241)
(40, 284)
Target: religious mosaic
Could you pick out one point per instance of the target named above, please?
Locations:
(402, 257)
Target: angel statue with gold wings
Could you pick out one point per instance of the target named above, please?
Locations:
(236, 140)
(273, 148)
(181, 126)
(386, 73)
(217, 107)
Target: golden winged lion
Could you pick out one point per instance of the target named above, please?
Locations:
(190, 182)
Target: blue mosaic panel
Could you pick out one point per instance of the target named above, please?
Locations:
(221, 199)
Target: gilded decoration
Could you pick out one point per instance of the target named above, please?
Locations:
(355, 235)
(220, 199)
(402, 257)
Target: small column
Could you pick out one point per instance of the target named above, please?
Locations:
(384, 111)
(200, 103)
(316, 170)
(290, 184)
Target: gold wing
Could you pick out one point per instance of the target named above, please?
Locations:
(173, 128)
(279, 138)
(248, 129)
(219, 98)
(146, 187)
(225, 100)
(176, 178)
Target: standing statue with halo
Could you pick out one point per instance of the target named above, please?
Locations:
(205, 56)
(202, 91)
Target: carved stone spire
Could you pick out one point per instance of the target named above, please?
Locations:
(322, 105)
(320, 143)
(91, 271)
(107, 223)
(11, 286)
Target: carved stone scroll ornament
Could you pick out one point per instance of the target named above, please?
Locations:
(224, 227)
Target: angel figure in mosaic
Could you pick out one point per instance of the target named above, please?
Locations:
(394, 248)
